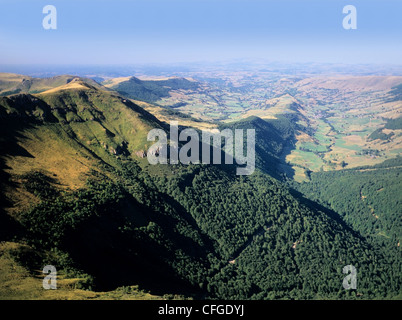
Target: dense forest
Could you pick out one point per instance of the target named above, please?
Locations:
(197, 230)
(369, 200)
(220, 237)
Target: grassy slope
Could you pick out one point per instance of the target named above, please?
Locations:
(92, 126)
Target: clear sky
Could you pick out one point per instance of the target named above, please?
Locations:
(164, 31)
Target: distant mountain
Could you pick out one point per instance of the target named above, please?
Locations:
(148, 90)
(13, 83)
(349, 83)
(369, 200)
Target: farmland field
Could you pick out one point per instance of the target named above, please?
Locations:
(335, 115)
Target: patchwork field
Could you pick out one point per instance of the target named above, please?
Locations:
(335, 114)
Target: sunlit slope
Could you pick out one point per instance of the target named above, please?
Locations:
(99, 117)
(68, 131)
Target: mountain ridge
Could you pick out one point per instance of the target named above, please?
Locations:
(14, 83)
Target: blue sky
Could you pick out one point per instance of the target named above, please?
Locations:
(165, 31)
